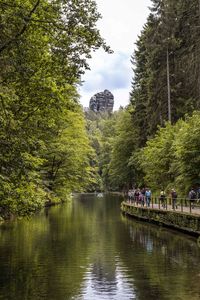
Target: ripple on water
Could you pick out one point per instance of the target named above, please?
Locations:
(104, 286)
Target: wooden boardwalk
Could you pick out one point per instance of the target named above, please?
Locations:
(180, 208)
(184, 218)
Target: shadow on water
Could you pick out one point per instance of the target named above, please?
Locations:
(86, 249)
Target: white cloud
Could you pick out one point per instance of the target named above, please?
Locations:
(121, 24)
(122, 21)
(116, 75)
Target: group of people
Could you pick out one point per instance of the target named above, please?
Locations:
(173, 196)
(143, 197)
(140, 196)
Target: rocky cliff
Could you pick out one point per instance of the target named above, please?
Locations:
(103, 101)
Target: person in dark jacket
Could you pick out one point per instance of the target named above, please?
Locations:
(174, 198)
(192, 196)
(162, 198)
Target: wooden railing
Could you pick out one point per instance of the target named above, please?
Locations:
(179, 204)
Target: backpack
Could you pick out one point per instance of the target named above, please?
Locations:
(174, 195)
(192, 195)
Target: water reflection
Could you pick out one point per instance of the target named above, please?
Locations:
(88, 250)
(96, 287)
(164, 262)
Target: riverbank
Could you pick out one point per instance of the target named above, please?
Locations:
(182, 221)
(8, 215)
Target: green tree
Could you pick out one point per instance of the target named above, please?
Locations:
(173, 28)
(187, 155)
(171, 158)
(157, 157)
(44, 47)
(122, 174)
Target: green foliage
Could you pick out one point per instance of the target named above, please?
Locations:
(156, 158)
(172, 26)
(139, 147)
(101, 132)
(187, 153)
(122, 174)
(67, 165)
(182, 221)
(163, 155)
(44, 149)
(172, 158)
(113, 139)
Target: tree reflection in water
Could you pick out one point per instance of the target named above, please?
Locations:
(88, 250)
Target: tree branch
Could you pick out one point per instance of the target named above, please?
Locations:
(10, 5)
(27, 20)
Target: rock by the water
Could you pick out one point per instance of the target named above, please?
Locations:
(103, 101)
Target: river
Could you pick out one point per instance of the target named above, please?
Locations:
(87, 250)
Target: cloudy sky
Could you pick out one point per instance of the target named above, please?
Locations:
(120, 26)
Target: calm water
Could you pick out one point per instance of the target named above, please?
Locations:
(87, 250)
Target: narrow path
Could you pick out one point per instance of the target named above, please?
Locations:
(184, 209)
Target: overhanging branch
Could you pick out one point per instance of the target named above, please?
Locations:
(27, 20)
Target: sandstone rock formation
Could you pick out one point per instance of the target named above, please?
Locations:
(103, 101)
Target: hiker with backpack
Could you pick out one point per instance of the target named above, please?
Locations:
(192, 196)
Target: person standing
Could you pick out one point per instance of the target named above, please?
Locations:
(148, 197)
(174, 198)
(137, 193)
(129, 196)
(143, 195)
(162, 198)
(192, 196)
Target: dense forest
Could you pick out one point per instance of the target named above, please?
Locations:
(155, 141)
(45, 152)
(165, 96)
(49, 147)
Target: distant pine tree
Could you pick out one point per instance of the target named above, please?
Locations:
(172, 27)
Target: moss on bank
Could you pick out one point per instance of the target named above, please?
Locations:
(189, 223)
(29, 206)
